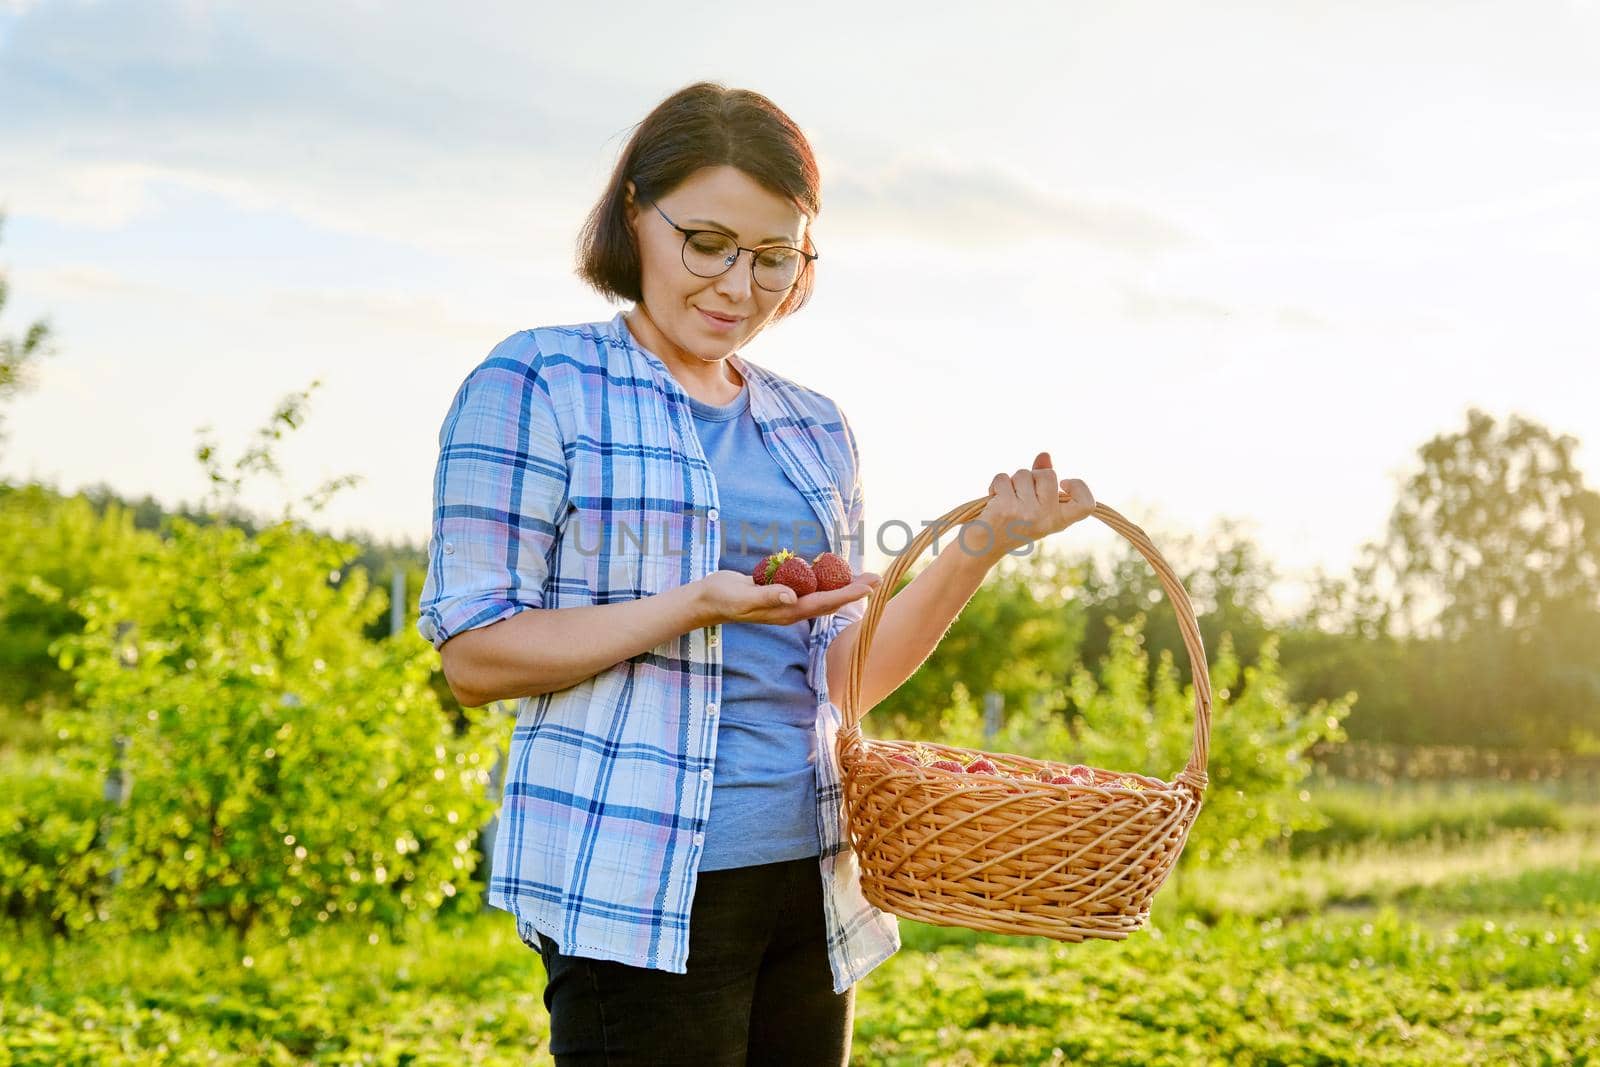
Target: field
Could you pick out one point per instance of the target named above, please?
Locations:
(1425, 927)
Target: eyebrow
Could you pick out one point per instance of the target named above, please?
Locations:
(780, 239)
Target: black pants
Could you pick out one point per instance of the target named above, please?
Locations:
(758, 988)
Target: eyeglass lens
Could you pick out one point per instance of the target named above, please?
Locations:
(712, 254)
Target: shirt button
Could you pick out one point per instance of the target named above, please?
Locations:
(715, 639)
(699, 839)
(711, 708)
(712, 514)
(449, 549)
(705, 775)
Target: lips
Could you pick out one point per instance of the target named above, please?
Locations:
(719, 322)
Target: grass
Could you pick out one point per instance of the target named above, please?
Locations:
(1511, 871)
(1445, 947)
(1438, 811)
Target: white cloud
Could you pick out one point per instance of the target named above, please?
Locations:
(942, 202)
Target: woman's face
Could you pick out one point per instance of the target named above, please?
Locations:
(707, 318)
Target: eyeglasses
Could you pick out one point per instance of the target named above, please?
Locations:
(711, 254)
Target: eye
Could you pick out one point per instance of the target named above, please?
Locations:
(777, 257)
(710, 244)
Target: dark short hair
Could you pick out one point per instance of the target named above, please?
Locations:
(700, 125)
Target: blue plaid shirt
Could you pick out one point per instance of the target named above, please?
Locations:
(570, 474)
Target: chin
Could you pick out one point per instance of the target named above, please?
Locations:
(711, 348)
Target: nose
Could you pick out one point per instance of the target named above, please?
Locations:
(735, 282)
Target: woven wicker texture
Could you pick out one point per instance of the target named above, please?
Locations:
(1017, 855)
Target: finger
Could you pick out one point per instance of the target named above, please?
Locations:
(1082, 493)
(1042, 462)
(1001, 486)
(781, 596)
(1078, 492)
(1044, 483)
(1025, 488)
(863, 585)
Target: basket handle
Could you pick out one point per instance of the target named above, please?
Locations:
(1195, 771)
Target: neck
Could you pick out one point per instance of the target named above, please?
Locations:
(695, 374)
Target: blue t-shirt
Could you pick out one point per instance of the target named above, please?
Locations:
(764, 789)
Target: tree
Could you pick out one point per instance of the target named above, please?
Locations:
(1225, 573)
(17, 356)
(1495, 529)
(1474, 620)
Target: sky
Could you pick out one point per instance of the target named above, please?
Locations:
(1225, 261)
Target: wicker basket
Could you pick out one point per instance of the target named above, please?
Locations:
(1010, 855)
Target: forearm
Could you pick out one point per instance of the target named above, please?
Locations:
(913, 623)
(543, 650)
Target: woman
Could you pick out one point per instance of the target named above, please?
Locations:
(670, 838)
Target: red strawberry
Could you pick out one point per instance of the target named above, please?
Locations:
(785, 568)
(832, 572)
(1064, 779)
(769, 566)
(948, 765)
(982, 765)
(795, 573)
(906, 757)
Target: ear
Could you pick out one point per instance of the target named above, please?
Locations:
(630, 205)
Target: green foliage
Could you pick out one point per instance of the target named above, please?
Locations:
(1475, 619)
(284, 770)
(1259, 739)
(1226, 575)
(1494, 527)
(1117, 721)
(1372, 989)
(53, 549)
(1356, 815)
(1495, 961)
(49, 816)
(1489, 686)
(1018, 635)
(447, 992)
(1324, 663)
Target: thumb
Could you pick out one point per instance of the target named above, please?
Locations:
(782, 595)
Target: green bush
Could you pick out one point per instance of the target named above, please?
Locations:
(1116, 721)
(1259, 739)
(52, 550)
(49, 815)
(284, 770)
(1018, 636)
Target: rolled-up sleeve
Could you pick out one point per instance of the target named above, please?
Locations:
(499, 493)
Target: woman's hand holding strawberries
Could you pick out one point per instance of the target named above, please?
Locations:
(783, 590)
